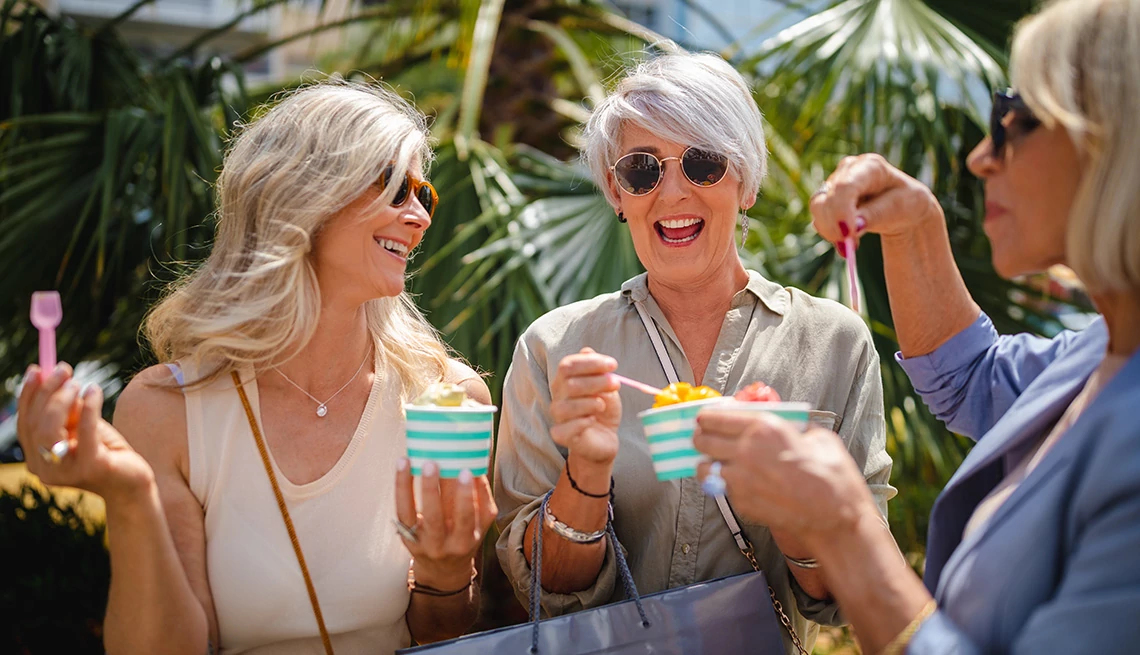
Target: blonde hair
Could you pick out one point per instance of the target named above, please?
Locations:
(255, 300)
(1076, 65)
(691, 99)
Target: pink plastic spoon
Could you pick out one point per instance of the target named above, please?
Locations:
(852, 275)
(849, 245)
(640, 386)
(47, 312)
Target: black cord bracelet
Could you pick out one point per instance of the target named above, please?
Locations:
(574, 484)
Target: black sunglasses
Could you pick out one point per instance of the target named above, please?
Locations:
(1004, 103)
(421, 189)
(639, 173)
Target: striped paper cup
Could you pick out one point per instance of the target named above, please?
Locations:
(794, 412)
(669, 430)
(455, 438)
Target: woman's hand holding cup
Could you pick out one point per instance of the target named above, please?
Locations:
(803, 483)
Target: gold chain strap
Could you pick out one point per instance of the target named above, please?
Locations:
(779, 607)
(284, 513)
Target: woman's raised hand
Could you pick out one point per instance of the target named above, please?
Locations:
(53, 414)
(867, 187)
(446, 530)
(805, 484)
(585, 406)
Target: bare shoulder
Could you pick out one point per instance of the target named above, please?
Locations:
(470, 379)
(151, 414)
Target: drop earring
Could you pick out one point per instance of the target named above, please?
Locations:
(621, 218)
(743, 228)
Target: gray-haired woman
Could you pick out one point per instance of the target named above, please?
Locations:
(678, 149)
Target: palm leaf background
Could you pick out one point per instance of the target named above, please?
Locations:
(107, 162)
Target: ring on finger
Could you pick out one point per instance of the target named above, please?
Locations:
(56, 453)
(823, 189)
(407, 532)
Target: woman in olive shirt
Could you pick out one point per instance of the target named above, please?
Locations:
(678, 149)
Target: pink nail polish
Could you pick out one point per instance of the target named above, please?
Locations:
(841, 248)
(402, 464)
(465, 477)
(430, 468)
(844, 230)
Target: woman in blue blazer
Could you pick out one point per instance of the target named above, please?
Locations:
(1034, 545)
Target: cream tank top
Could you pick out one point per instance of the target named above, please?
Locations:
(343, 520)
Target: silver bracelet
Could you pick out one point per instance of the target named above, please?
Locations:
(807, 563)
(570, 534)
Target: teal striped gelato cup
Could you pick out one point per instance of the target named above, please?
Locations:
(669, 430)
(455, 438)
(796, 413)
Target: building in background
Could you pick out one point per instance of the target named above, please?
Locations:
(163, 27)
(716, 24)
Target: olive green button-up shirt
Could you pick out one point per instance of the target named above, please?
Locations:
(808, 349)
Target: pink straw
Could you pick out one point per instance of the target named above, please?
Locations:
(640, 386)
(852, 276)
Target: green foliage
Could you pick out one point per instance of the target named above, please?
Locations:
(56, 576)
(106, 167)
(107, 162)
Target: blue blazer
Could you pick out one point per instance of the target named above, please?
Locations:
(1057, 568)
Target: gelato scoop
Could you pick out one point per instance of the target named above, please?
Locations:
(683, 392)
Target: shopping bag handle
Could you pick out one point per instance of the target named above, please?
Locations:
(536, 572)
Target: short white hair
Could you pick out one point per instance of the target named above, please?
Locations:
(1075, 65)
(691, 99)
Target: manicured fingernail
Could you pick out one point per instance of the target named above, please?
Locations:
(860, 224)
(841, 248)
(72, 385)
(87, 389)
(465, 477)
(844, 230)
(402, 464)
(431, 468)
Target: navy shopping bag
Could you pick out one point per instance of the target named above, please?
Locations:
(726, 615)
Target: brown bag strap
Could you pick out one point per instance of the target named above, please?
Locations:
(284, 511)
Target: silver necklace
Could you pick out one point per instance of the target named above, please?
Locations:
(323, 408)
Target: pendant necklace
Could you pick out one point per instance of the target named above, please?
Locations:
(323, 408)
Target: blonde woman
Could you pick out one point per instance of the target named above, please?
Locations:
(1033, 544)
(320, 202)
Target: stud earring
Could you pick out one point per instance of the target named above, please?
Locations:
(621, 218)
